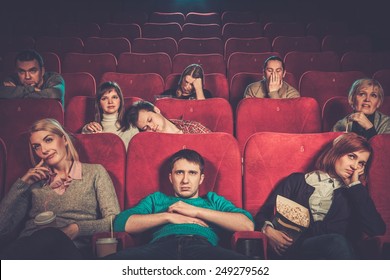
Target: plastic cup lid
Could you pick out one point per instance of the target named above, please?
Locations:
(106, 240)
(45, 218)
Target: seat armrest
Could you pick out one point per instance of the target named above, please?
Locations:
(244, 236)
(124, 239)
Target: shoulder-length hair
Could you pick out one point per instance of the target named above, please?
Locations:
(193, 70)
(102, 89)
(357, 86)
(342, 145)
(53, 126)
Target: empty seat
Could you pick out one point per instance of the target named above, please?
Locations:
(220, 120)
(194, 30)
(116, 46)
(81, 110)
(200, 45)
(79, 29)
(383, 77)
(149, 170)
(291, 29)
(78, 84)
(366, 62)
(336, 108)
(95, 64)
(238, 17)
(59, 45)
(203, 18)
(284, 154)
(241, 80)
(276, 115)
(161, 30)
(17, 115)
(133, 16)
(246, 62)
(211, 63)
(320, 29)
(145, 86)
(298, 63)
(324, 85)
(285, 44)
(167, 45)
(130, 31)
(137, 63)
(242, 30)
(247, 45)
(166, 17)
(342, 44)
(216, 83)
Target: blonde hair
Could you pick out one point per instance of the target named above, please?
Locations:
(53, 126)
(359, 84)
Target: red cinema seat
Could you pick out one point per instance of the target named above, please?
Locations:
(167, 17)
(166, 45)
(79, 29)
(366, 62)
(211, 63)
(116, 45)
(247, 45)
(276, 115)
(238, 17)
(298, 63)
(286, 44)
(242, 30)
(320, 29)
(162, 30)
(203, 18)
(216, 83)
(270, 157)
(291, 29)
(214, 113)
(194, 30)
(59, 45)
(78, 84)
(17, 115)
(378, 247)
(200, 45)
(130, 31)
(383, 77)
(138, 63)
(145, 86)
(343, 44)
(95, 64)
(324, 85)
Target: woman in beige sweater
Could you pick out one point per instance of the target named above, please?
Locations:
(81, 196)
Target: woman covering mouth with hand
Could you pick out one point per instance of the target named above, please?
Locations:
(365, 97)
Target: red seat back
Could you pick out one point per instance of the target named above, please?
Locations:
(78, 84)
(214, 113)
(211, 63)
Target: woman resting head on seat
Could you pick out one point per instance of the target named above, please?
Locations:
(109, 112)
(80, 195)
(337, 202)
(147, 117)
(191, 84)
(365, 97)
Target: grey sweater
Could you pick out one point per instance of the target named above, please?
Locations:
(89, 202)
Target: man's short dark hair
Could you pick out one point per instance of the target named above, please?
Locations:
(29, 55)
(189, 155)
(274, 57)
(132, 113)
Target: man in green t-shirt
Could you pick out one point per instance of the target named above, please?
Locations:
(184, 226)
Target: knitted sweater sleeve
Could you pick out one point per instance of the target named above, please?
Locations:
(107, 201)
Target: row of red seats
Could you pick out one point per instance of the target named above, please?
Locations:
(267, 159)
(300, 115)
(118, 43)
